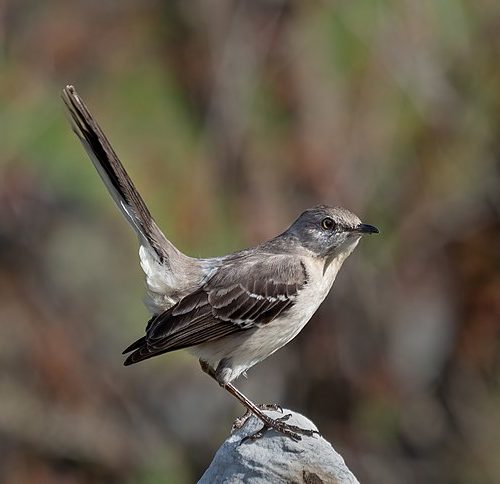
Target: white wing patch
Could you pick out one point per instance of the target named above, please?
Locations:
(279, 297)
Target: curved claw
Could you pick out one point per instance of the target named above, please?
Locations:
(271, 406)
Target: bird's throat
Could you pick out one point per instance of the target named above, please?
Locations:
(333, 262)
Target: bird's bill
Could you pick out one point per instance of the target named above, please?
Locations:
(366, 229)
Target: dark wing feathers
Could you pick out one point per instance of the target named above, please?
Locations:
(239, 297)
(189, 327)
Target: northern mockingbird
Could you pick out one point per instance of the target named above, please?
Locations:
(231, 311)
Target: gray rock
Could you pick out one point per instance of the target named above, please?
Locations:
(277, 459)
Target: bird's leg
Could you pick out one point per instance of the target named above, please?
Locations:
(278, 424)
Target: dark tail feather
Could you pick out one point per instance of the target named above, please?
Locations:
(113, 174)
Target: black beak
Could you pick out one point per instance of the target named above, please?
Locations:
(366, 229)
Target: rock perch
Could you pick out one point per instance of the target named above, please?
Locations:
(277, 459)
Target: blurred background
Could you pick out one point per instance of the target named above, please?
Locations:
(232, 117)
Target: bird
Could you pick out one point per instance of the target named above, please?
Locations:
(230, 311)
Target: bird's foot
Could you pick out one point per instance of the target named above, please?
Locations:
(241, 421)
(280, 425)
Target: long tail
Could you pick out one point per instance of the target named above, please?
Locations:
(115, 177)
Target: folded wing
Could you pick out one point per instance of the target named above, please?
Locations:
(244, 294)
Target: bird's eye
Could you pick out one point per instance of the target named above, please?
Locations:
(327, 223)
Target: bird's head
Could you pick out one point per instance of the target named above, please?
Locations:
(329, 231)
